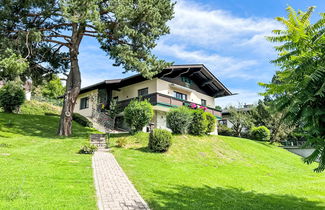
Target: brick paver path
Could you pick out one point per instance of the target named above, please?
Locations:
(113, 188)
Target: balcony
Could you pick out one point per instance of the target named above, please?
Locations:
(166, 101)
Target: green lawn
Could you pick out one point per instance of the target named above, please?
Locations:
(220, 173)
(39, 170)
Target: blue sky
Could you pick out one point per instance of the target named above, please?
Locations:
(226, 36)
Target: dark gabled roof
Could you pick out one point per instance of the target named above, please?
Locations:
(196, 72)
(202, 76)
(106, 83)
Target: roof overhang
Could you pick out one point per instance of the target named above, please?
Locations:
(199, 74)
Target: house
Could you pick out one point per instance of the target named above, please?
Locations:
(226, 115)
(175, 86)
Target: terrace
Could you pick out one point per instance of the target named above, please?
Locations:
(159, 99)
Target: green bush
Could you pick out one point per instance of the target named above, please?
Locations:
(225, 131)
(159, 140)
(12, 96)
(88, 149)
(179, 119)
(199, 123)
(261, 133)
(122, 142)
(212, 122)
(138, 114)
(82, 120)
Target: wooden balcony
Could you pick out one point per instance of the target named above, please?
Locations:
(167, 101)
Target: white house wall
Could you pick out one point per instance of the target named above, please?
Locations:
(131, 91)
(92, 95)
(164, 87)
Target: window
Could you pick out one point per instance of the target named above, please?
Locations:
(143, 92)
(84, 103)
(186, 80)
(203, 102)
(180, 95)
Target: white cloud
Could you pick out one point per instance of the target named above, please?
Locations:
(226, 67)
(243, 97)
(231, 46)
(198, 24)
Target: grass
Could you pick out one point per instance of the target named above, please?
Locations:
(220, 173)
(39, 170)
(39, 108)
(34, 107)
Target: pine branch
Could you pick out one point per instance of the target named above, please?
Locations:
(57, 42)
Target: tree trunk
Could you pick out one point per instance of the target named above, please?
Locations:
(72, 86)
(72, 91)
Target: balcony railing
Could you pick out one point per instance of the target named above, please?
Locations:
(167, 101)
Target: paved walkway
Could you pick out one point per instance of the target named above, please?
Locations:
(113, 188)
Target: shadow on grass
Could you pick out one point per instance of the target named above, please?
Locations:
(38, 125)
(185, 197)
(143, 149)
(118, 135)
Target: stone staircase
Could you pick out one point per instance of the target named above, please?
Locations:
(103, 123)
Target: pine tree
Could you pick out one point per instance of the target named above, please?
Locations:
(127, 31)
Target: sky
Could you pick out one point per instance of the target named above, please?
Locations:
(228, 37)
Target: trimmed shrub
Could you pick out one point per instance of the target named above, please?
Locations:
(87, 149)
(12, 96)
(225, 131)
(261, 133)
(82, 120)
(179, 119)
(138, 114)
(199, 123)
(212, 122)
(159, 140)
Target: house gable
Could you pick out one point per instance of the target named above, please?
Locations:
(186, 82)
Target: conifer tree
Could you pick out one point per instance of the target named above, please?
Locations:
(126, 30)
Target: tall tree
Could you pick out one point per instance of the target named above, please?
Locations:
(264, 114)
(127, 30)
(241, 119)
(300, 86)
(53, 88)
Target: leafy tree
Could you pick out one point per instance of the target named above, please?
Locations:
(240, 119)
(179, 119)
(218, 108)
(12, 65)
(300, 84)
(12, 96)
(212, 122)
(127, 31)
(53, 89)
(199, 124)
(264, 114)
(138, 114)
